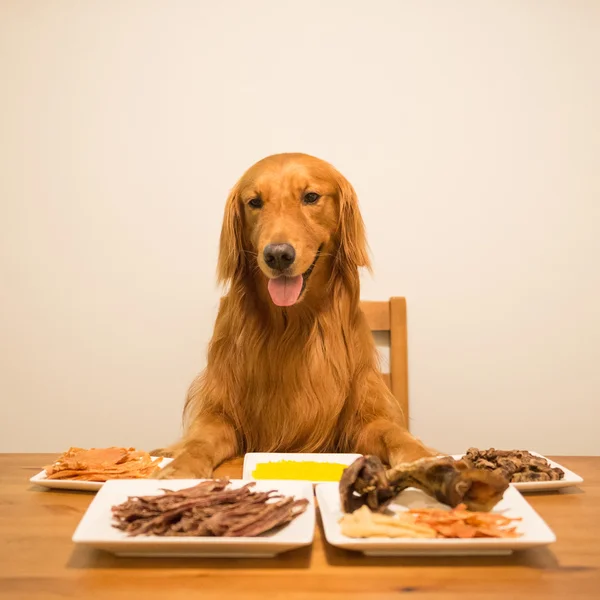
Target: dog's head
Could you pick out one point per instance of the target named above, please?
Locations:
(290, 218)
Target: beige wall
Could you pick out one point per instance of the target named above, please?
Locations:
(471, 131)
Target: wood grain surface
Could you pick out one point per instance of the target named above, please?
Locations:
(39, 561)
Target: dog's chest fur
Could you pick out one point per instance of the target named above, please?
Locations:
(293, 387)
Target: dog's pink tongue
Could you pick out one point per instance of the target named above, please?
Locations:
(285, 290)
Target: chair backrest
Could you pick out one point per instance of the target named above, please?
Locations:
(391, 316)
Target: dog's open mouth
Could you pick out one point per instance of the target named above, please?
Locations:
(285, 291)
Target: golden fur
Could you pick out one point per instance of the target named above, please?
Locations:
(303, 378)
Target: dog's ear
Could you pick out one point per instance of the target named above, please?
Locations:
(232, 257)
(353, 251)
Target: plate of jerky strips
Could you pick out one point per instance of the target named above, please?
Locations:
(200, 518)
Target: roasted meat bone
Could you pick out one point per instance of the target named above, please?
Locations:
(366, 481)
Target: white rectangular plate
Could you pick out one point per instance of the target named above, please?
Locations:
(570, 479)
(534, 529)
(252, 459)
(76, 484)
(95, 528)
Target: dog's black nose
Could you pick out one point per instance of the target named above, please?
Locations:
(279, 256)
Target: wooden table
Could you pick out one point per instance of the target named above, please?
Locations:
(38, 559)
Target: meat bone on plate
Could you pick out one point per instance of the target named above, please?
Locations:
(498, 520)
(367, 482)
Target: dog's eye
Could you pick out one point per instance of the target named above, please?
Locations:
(255, 203)
(310, 198)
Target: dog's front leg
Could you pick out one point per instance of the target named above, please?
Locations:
(209, 441)
(391, 442)
(377, 425)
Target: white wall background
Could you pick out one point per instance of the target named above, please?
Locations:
(471, 131)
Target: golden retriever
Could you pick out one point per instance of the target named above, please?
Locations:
(292, 365)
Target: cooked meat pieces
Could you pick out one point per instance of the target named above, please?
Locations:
(516, 465)
(210, 508)
(367, 482)
(101, 464)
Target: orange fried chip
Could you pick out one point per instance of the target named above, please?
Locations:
(462, 523)
(101, 464)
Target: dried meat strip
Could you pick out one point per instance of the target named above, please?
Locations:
(207, 509)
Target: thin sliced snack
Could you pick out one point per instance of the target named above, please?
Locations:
(209, 508)
(101, 464)
(462, 523)
(364, 523)
(427, 523)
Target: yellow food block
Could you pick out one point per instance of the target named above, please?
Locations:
(299, 470)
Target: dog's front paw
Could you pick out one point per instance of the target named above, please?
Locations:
(165, 452)
(412, 452)
(185, 467)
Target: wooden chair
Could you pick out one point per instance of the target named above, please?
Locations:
(391, 316)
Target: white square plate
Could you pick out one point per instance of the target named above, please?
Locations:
(95, 528)
(252, 459)
(570, 479)
(534, 529)
(77, 484)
